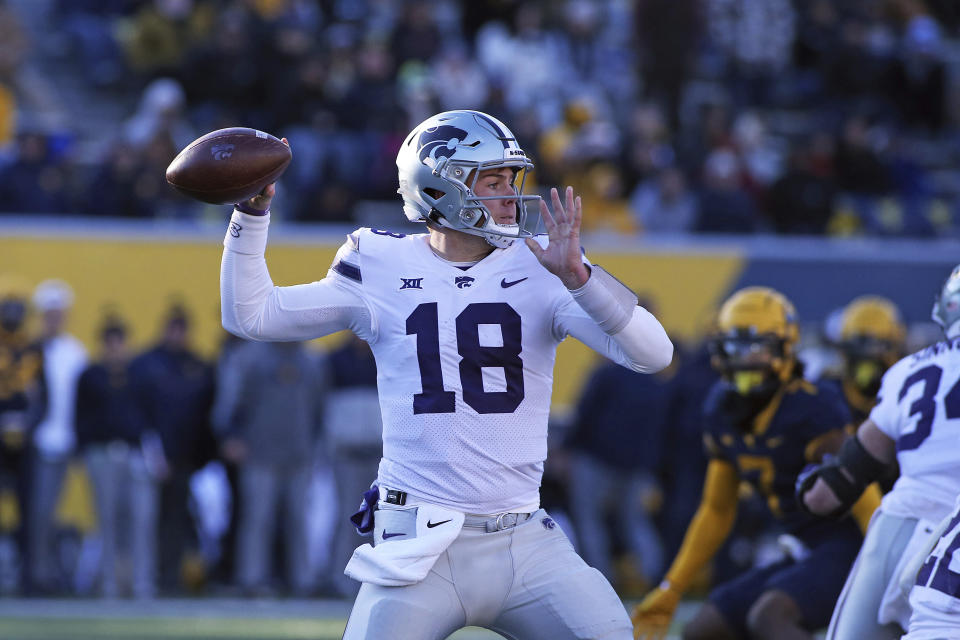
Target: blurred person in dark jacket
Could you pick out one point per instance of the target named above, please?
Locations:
(37, 181)
(22, 402)
(860, 168)
(220, 418)
(119, 187)
(109, 423)
(664, 203)
(725, 207)
(275, 396)
(174, 389)
(353, 433)
(616, 445)
(801, 200)
(683, 462)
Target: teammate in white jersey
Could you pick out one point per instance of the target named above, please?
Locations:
(918, 400)
(935, 596)
(464, 322)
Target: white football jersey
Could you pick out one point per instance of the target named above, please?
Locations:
(464, 356)
(918, 406)
(935, 598)
(465, 366)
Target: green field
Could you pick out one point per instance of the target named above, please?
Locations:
(189, 620)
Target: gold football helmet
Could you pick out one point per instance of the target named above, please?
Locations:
(755, 341)
(874, 320)
(872, 338)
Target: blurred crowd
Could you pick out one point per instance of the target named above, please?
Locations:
(191, 473)
(130, 473)
(685, 116)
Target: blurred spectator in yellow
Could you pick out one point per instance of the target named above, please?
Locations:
(556, 143)
(157, 39)
(602, 190)
(22, 404)
(126, 495)
(664, 204)
(64, 359)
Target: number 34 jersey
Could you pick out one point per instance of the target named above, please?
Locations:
(918, 406)
(464, 366)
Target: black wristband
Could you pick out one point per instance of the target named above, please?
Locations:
(243, 207)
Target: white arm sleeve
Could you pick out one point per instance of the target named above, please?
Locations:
(641, 345)
(253, 308)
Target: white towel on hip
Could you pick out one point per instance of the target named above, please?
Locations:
(406, 544)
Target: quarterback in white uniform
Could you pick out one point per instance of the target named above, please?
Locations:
(464, 322)
(918, 399)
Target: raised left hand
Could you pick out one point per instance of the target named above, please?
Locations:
(562, 256)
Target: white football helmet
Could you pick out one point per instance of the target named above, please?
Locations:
(946, 307)
(439, 163)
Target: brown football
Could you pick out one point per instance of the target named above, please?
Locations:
(228, 165)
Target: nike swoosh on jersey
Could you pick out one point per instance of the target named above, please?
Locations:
(431, 525)
(506, 285)
(392, 535)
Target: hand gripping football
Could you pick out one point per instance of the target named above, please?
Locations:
(228, 165)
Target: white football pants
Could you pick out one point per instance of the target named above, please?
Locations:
(525, 583)
(855, 616)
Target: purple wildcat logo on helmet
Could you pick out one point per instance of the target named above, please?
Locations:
(440, 142)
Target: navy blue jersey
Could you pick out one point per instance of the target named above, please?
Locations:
(785, 437)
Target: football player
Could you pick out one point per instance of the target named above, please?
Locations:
(763, 423)
(871, 340)
(935, 596)
(918, 397)
(464, 322)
